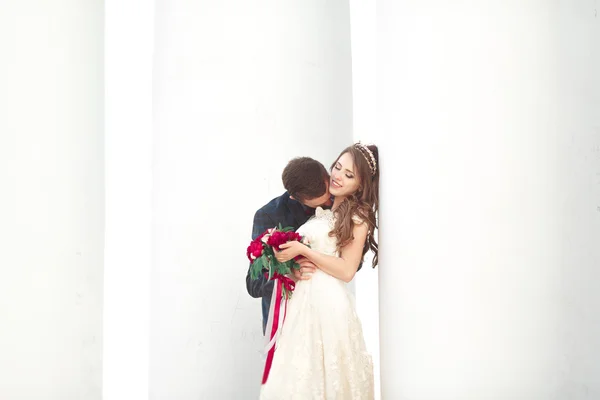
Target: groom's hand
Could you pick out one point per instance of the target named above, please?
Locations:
(307, 268)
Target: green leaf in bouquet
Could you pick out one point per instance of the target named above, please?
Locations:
(294, 265)
(279, 269)
(271, 266)
(256, 268)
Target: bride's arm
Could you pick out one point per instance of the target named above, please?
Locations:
(343, 267)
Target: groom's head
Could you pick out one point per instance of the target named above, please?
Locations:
(307, 181)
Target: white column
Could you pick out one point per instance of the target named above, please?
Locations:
(488, 124)
(128, 149)
(241, 87)
(51, 199)
(577, 43)
(363, 24)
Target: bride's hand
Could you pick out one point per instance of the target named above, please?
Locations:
(289, 250)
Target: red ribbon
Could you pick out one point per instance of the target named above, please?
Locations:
(289, 285)
(273, 330)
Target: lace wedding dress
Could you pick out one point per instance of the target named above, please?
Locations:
(321, 352)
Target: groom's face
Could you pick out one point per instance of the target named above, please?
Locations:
(319, 201)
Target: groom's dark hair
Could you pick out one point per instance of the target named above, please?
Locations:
(305, 178)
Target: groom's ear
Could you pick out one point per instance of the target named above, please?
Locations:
(292, 197)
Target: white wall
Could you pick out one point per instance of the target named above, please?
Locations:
(240, 88)
(51, 202)
(577, 55)
(363, 24)
(489, 120)
(129, 43)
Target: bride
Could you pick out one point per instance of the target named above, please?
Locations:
(321, 352)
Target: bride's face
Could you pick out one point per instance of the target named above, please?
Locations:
(344, 180)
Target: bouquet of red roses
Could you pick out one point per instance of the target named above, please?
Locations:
(262, 256)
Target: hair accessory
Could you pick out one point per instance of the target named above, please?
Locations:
(368, 155)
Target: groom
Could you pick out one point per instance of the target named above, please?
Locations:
(306, 182)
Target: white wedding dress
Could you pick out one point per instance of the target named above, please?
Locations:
(321, 352)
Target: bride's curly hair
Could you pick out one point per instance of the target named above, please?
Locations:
(364, 203)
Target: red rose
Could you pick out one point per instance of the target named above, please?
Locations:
(267, 232)
(277, 238)
(293, 236)
(254, 250)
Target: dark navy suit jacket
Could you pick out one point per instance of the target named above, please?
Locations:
(281, 210)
